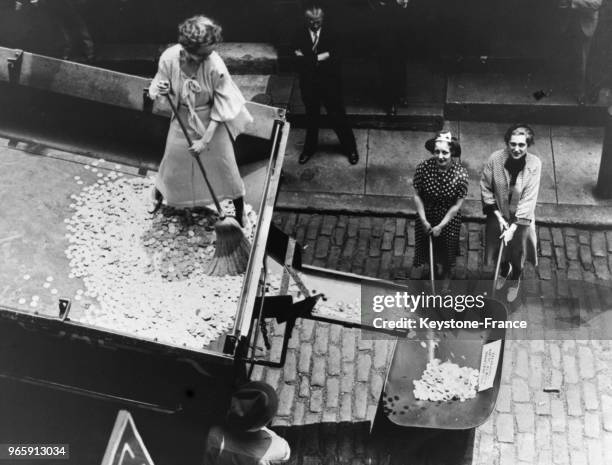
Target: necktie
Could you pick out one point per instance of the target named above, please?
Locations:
(316, 42)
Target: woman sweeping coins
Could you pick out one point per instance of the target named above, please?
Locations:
(199, 166)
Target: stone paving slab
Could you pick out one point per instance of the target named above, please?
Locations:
(576, 168)
(392, 161)
(494, 96)
(577, 131)
(503, 89)
(328, 170)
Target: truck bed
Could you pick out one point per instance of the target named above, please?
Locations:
(52, 201)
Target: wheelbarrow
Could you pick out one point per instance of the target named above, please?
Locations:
(463, 347)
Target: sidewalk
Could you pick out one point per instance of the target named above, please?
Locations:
(382, 181)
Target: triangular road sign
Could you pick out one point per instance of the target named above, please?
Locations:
(125, 446)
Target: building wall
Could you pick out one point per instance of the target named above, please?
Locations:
(463, 27)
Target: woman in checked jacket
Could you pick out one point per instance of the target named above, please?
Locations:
(509, 189)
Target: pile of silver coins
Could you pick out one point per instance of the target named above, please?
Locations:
(144, 275)
(443, 382)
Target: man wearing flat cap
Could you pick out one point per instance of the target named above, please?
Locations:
(244, 439)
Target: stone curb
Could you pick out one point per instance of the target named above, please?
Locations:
(591, 216)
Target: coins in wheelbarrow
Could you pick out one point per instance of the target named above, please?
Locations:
(145, 274)
(445, 382)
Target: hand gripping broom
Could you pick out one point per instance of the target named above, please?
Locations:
(232, 248)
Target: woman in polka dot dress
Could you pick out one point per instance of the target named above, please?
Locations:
(440, 185)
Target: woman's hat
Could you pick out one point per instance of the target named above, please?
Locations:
(430, 145)
(252, 406)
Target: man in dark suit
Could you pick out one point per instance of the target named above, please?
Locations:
(320, 83)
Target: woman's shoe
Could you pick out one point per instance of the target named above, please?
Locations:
(158, 199)
(513, 290)
(501, 279)
(246, 223)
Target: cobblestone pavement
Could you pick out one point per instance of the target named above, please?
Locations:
(555, 400)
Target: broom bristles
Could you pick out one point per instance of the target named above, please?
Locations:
(232, 249)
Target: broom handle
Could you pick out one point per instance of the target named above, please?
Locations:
(197, 157)
(430, 343)
(497, 266)
(431, 265)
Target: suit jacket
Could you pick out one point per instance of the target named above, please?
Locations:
(308, 67)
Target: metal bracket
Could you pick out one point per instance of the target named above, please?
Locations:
(64, 308)
(277, 248)
(14, 66)
(229, 347)
(147, 102)
(288, 314)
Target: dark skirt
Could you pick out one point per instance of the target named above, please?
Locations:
(446, 245)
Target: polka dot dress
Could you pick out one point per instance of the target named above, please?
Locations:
(439, 190)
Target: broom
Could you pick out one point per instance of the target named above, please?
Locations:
(232, 248)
